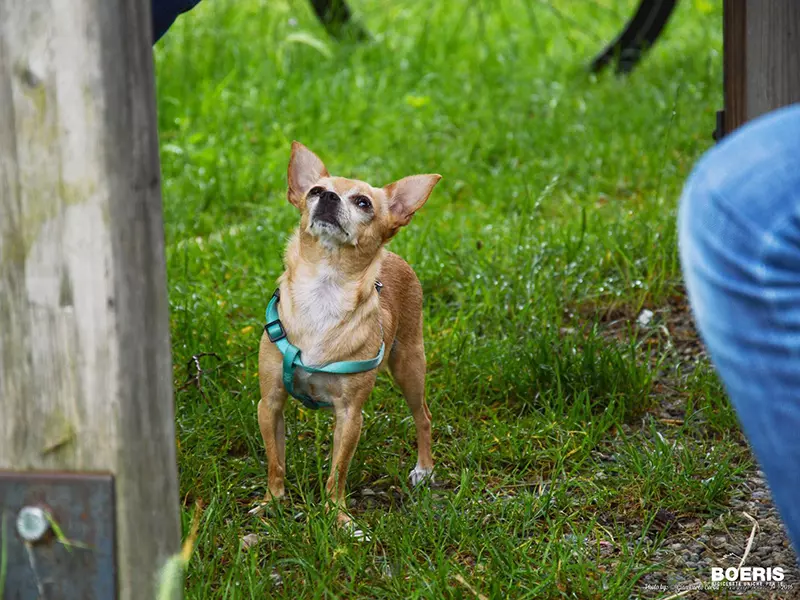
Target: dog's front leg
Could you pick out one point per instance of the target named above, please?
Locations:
(345, 439)
(271, 423)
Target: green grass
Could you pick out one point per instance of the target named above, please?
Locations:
(553, 227)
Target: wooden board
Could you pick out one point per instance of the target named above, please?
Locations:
(85, 366)
(734, 63)
(761, 58)
(773, 55)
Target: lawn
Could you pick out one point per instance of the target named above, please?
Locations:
(582, 442)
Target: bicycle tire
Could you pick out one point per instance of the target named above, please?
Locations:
(638, 36)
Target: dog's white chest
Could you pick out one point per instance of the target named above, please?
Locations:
(320, 324)
(320, 303)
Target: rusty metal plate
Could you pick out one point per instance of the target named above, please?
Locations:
(82, 507)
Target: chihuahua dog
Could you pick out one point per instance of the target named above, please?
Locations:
(343, 297)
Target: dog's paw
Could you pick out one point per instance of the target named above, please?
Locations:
(259, 509)
(356, 533)
(419, 475)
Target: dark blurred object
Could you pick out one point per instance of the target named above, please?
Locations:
(337, 19)
(335, 16)
(640, 33)
(165, 12)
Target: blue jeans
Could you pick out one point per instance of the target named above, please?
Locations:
(739, 232)
(165, 12)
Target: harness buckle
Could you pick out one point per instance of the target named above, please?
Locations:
(275, 338)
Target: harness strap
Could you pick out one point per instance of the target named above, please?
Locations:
(289, 358)
(292, 359)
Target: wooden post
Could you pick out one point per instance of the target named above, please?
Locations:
(761, 58)
(85, 366)
(773, 55)
(734, 63)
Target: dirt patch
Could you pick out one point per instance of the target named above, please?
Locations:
(666, 327)
(666, 337)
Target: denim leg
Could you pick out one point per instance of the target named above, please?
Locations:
(164, 13)
(739, 237)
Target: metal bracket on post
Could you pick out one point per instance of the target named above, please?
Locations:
(719, 132)
(59, 531)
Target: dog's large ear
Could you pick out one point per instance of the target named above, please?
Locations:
(407, 196)
(305, 169)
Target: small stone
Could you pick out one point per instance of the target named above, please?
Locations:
(385, 567)
(674, 579)
(645, 317)
(250, 540)
(676, 547)
(664, 519)
(606, 548)
(761, 552)
(276, 578)
(719, 541)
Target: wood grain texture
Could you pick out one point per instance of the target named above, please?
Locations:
(85, 366)
(773, 55)
(734, 73)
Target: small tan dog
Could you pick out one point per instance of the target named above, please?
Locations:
(341, 297)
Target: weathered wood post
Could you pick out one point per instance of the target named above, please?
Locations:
(85, 366)
(761, 58)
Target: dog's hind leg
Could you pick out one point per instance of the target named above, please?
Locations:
(407, 364)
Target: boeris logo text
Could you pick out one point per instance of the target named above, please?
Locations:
(747, 574)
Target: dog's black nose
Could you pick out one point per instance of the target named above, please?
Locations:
(328, 197)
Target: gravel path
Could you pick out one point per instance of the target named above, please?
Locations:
(694, 546)
(690, 552)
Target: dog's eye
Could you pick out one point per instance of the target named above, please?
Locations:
(363, 202)
(316, 190)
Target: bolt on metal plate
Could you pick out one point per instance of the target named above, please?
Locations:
(60, 535)
(33, 522)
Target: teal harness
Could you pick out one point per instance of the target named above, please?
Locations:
(291, 355)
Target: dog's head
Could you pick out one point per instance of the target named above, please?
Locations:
(342, 213)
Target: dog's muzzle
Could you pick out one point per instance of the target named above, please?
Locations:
(327, 209)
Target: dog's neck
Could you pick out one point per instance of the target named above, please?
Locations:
(323, 289)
